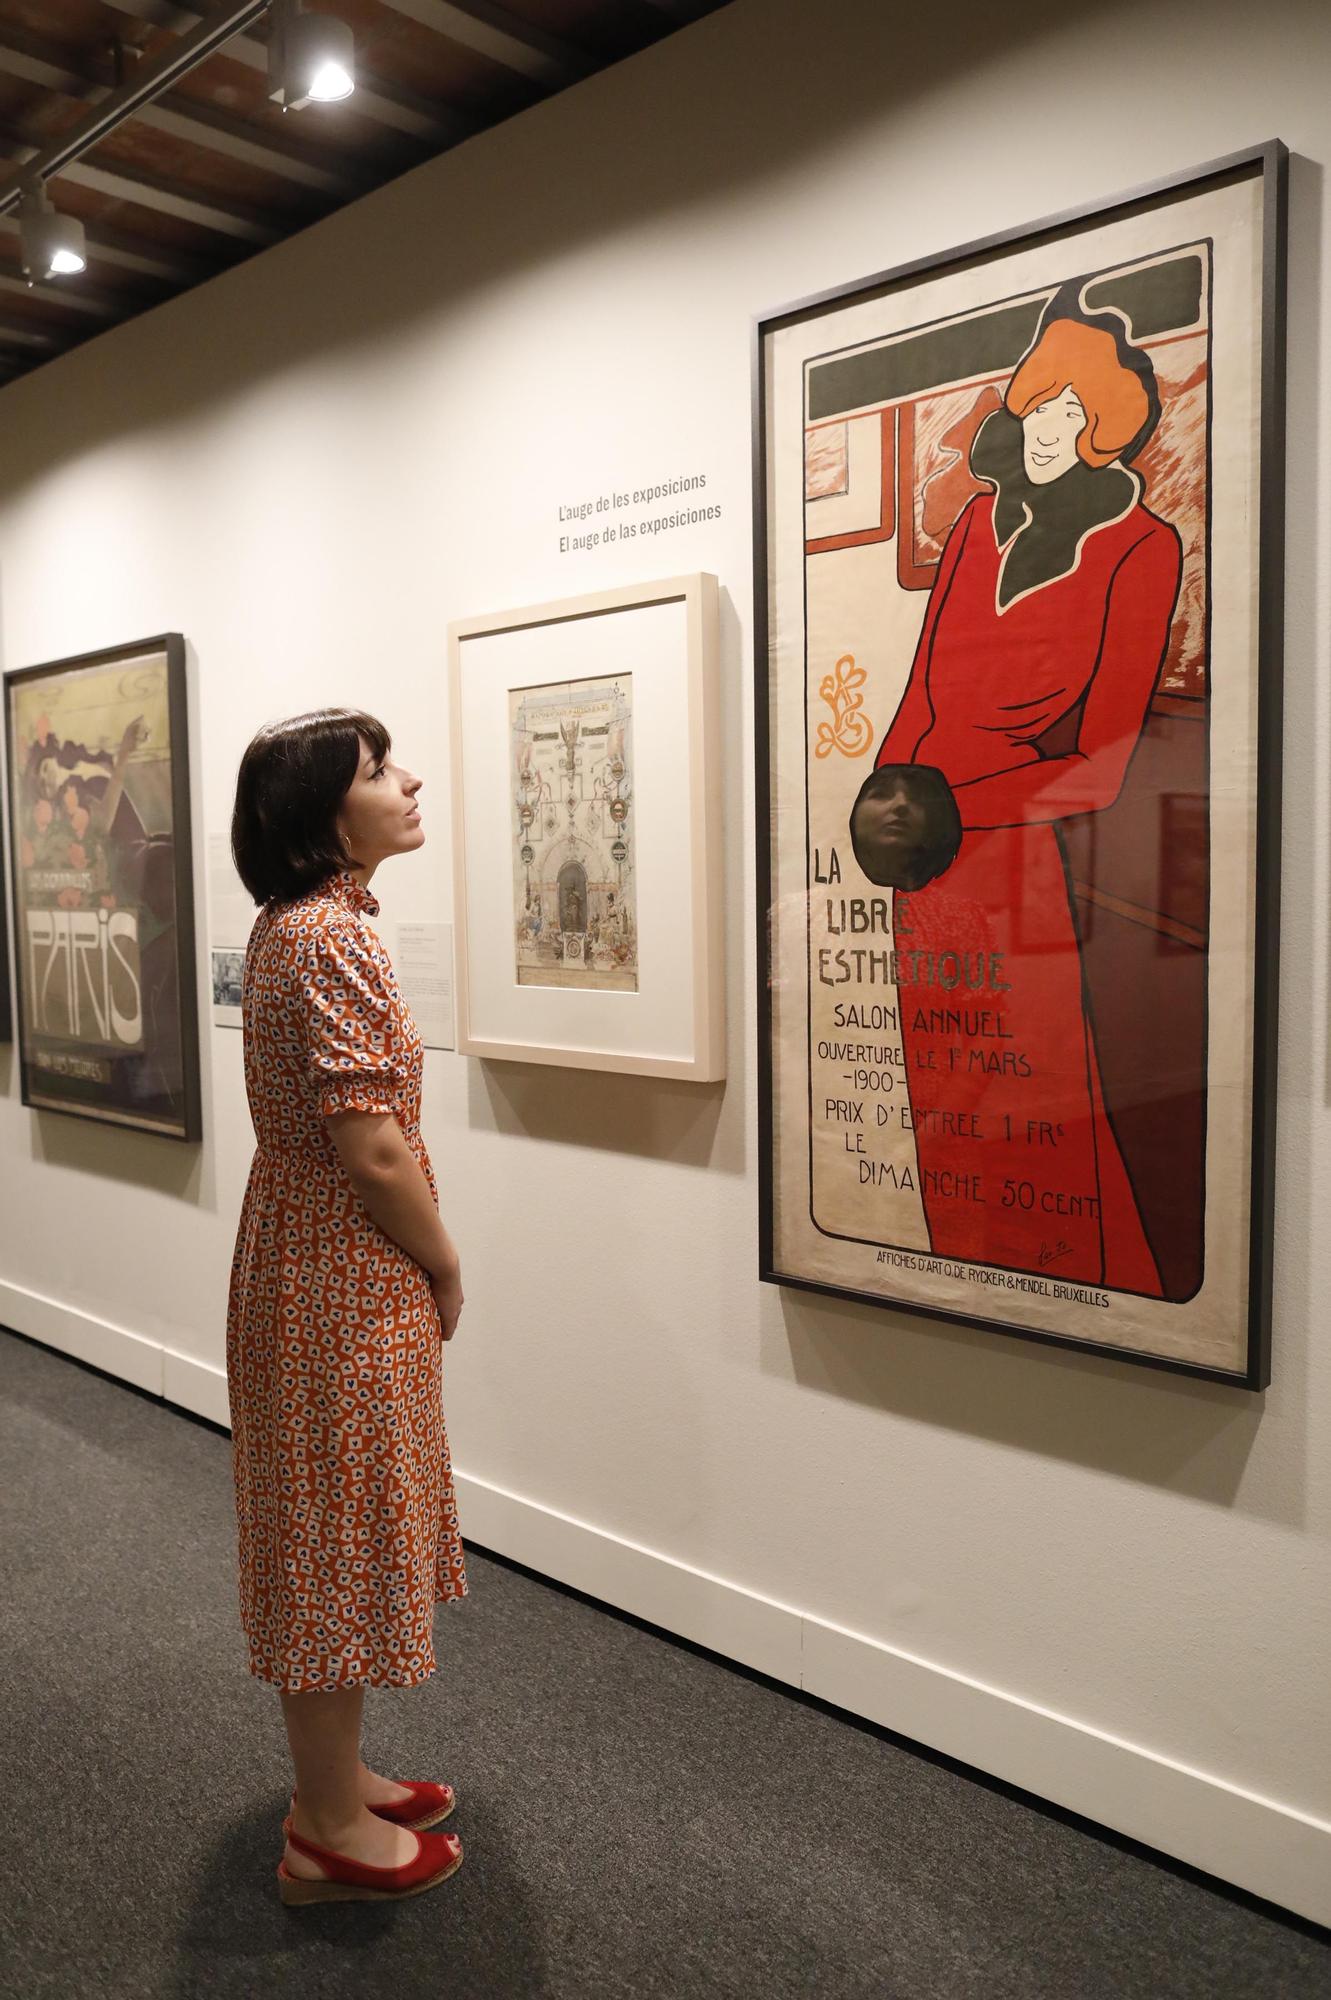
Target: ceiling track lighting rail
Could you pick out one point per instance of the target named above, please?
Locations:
(150, 79)
(389, 104)
(199, 124)
(311, 59)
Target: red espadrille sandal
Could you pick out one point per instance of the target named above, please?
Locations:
(348, 1881)
(428, 1804)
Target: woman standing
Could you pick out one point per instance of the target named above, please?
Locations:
(343, 1284)
(1043, 637)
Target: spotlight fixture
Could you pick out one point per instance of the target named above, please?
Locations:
(53, 246)
(311, 57)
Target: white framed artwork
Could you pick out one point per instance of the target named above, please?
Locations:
(586, 831)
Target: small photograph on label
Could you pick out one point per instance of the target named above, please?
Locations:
(228, 966)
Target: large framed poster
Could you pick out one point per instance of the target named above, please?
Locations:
(586, 831)
(1018, 720)
(6, 1013)
(98, 757)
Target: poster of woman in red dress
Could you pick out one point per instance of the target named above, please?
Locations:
(1054, 596)
(1013, 675)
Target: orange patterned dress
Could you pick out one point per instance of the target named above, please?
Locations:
(348, 1534)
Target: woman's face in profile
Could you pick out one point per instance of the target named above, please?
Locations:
(1049, 436)
(379, 815)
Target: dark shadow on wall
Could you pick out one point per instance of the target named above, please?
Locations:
(747, 96)
(1160, 1429)
(652, 1117)
(116, 1153)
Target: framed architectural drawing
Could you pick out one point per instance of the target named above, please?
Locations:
(98, 766)
(586, 832)
(1018, 718)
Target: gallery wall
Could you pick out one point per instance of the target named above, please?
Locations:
(1103, 1583)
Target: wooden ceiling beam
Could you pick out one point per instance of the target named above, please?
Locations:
(502, 37)
(217, 132)
(22, 55)
(74, 297)
(146, 191)
(19, 333)
(438, 126)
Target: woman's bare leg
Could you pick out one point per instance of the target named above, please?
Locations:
(323, 1731)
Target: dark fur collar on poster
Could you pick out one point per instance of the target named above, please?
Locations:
(1042, 527)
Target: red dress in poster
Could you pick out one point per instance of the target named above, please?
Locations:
(1050, 612)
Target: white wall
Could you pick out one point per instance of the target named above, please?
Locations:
(1099, 1581)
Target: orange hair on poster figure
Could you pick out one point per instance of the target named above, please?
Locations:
(1070, 354)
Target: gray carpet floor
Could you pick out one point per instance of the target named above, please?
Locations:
(639, 1818)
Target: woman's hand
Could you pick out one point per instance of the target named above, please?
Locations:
(447, 1289)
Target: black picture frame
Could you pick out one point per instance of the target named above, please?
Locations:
(6, 1007)
(168, 1053)
(6, 1003)
(1269, 161)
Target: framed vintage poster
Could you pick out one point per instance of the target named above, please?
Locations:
(1018, 719)
(586, 832)
(6, 1012)
(98, 765)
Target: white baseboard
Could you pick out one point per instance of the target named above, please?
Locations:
(1255, 1843)
(82, 1334)
(197, 1386)
(179, 1378)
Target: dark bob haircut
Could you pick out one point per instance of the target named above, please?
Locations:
(924, 837)
(292, 779)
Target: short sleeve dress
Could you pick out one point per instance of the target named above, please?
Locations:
(348, 1532)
